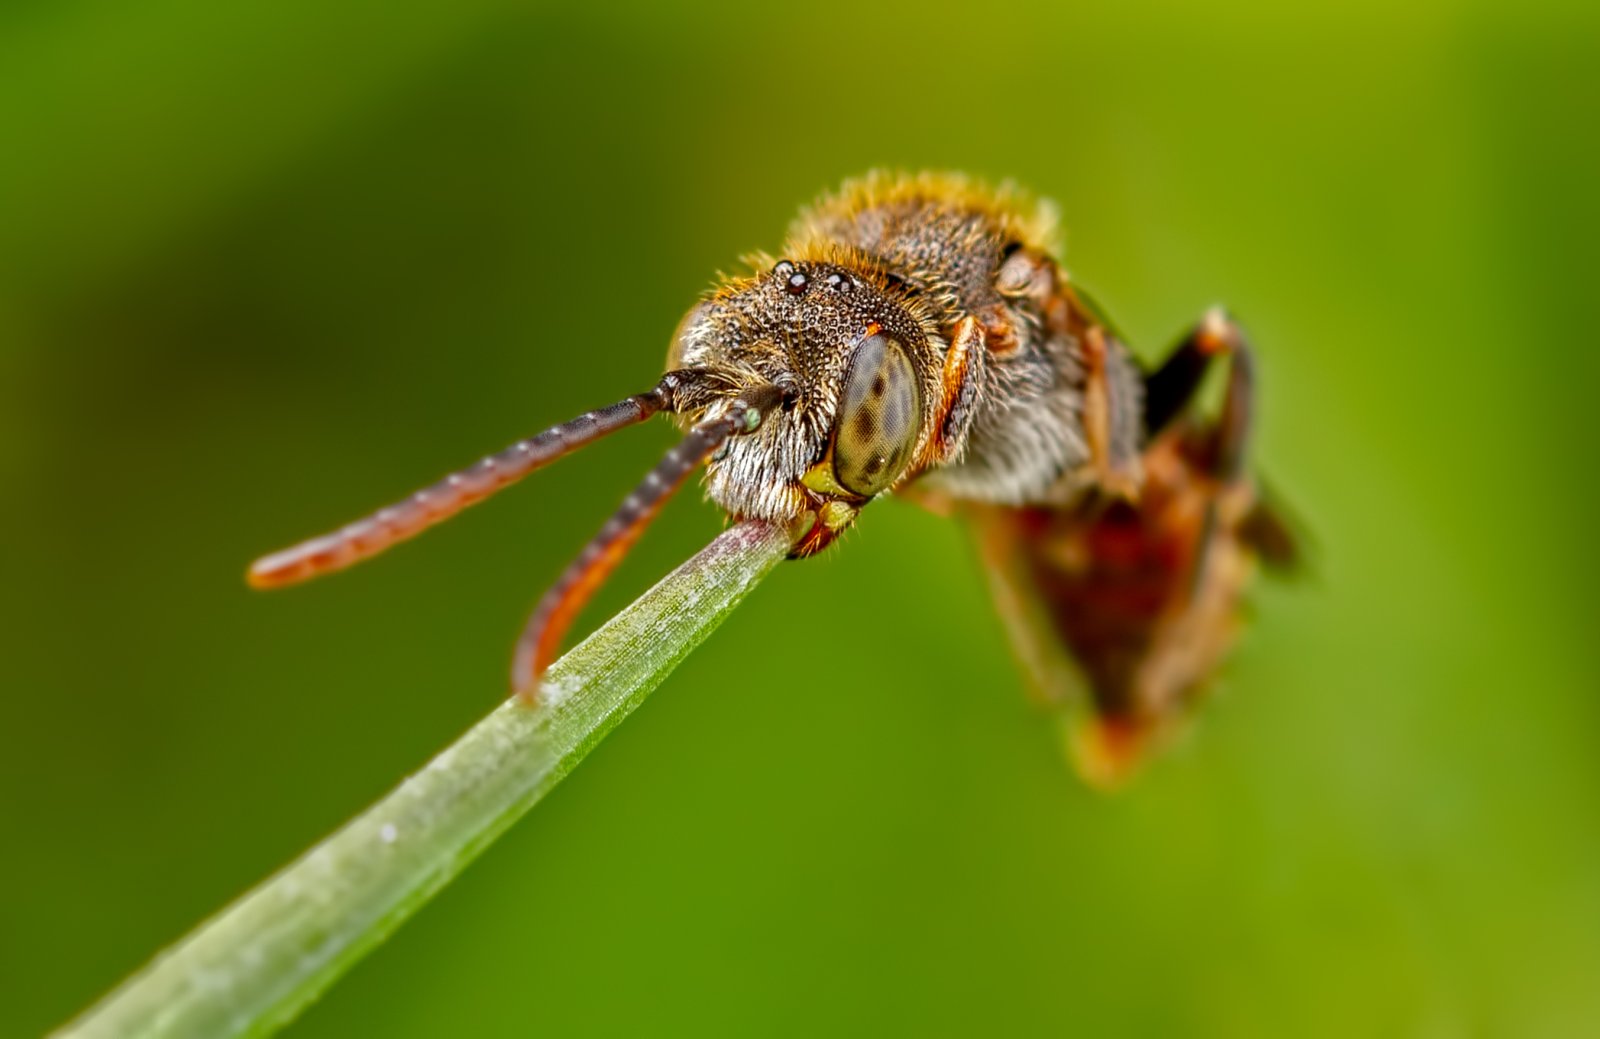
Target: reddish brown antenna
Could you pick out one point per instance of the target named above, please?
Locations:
(551, 619)
(556, 611)
(389, 526)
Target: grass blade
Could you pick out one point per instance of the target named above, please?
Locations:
(254, 966)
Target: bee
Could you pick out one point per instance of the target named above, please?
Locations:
(917, 337)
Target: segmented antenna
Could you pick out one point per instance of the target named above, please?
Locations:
(367, 537)
(541, 638)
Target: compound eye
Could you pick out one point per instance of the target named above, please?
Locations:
(878, 417)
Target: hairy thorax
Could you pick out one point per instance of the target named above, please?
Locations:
(917, 261)
(964, 251)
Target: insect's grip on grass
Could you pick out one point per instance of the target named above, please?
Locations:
(257, 963)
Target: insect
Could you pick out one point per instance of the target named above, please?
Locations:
(918, 337)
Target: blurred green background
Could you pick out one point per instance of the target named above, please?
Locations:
(264, 266)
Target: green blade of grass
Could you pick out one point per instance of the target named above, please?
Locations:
(255, 965)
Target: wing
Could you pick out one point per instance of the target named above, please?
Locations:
(1120, 611)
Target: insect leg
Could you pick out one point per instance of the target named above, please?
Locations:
(965, 368)
(1111, 393)
(560, 605)
(1169, 389)
(1267, 527)
(1238, 406)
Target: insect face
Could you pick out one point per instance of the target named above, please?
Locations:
(860, 373)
